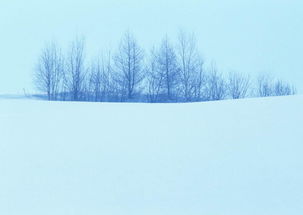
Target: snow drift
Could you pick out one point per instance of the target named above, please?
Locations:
(221, 158)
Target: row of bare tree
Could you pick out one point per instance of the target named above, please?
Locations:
(170, 73)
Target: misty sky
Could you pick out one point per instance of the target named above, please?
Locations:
(250, 36)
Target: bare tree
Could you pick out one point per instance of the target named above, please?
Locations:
(199, 85)
(190, 64)
(155, 80)
(265, 86)
(216, 85)
(49, 72)
(100, 79)
(128, 61)
(165, 70)
(75, 70)
(282, 88)
(238, 85)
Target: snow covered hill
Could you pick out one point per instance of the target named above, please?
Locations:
(240, 157)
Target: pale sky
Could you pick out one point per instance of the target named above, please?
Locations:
(250, 36)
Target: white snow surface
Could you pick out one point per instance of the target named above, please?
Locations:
(237, 157)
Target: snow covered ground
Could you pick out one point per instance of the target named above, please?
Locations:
(240, 157)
